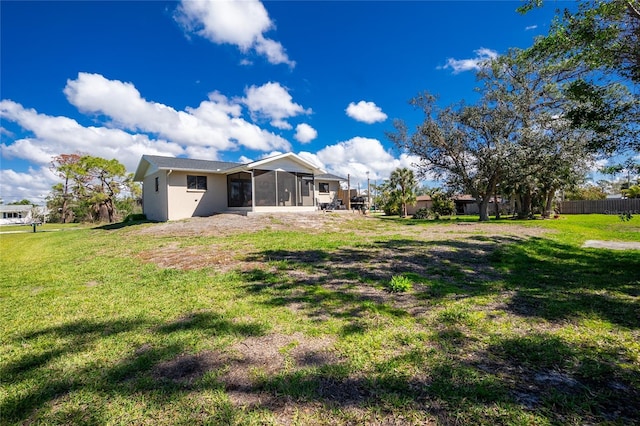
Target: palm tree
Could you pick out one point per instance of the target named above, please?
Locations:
(632, 192)
(404, 185)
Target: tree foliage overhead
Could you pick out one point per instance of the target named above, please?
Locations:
(603, 35)
(600, 42)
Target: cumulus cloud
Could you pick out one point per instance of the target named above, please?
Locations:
(483, 56)
(305, 133)
(55, 135)
(216, 124)
(360, 155)
(33, 186)
(238, 22)
(367, 112)
(273, 102)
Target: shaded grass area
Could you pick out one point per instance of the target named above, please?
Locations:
(497, 329)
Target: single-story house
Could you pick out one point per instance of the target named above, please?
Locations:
(15, 214)
(178, 188)
(422, 202)
(466, 204)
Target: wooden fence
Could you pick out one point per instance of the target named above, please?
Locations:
(608, 206)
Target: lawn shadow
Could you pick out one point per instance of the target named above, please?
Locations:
(350, 282)
(123, 224)
(158, 368)
(557, 281)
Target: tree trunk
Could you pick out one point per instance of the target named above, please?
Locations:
(495, 200)
(549, 203)
(483, 206)
(525, 206)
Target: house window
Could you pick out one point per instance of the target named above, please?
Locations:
(323, 187)
(157, 184)
(197, 182)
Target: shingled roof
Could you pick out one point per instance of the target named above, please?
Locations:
(183, 164)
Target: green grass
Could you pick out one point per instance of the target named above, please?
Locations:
(495, 330)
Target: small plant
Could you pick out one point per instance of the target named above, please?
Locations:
(399, 284)
(423, 213)
(625, 216)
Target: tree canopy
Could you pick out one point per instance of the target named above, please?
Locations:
(90, 187)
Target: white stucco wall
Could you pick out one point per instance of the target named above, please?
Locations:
(154, 204)
(327, 197)
(184, 203)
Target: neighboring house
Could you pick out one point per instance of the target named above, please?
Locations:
(178, 188)
(422, 202)
(15, 214)
(466, 204)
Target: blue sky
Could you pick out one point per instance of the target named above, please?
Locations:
(235, 81)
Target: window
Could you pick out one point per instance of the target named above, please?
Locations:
(157, 184)
(323, 187)
(197, 182)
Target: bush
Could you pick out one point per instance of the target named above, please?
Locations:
(399, 284)
(423, 213)
(442, 205)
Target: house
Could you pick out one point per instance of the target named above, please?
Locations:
(15, 214)
(422, 202)
(178, 188)
(466, 204)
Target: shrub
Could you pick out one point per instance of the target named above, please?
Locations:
(399, 284)
(423, 213)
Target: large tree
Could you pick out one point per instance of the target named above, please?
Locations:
(66, 167)
(467, 146)
(90, 184)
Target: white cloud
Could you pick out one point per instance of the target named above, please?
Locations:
(238, 22)
(59, 135)
(33, 186)
(273, 102)
(305, 133)
(367, 112)
(216, 124)
(483, 56)
(359, 155)
(530, 27)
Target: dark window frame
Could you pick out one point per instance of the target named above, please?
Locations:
(322, 185)
(196, 183)
(157, 181)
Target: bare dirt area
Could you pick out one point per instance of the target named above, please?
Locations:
(316, 222)
(444, 242)
(230, 224)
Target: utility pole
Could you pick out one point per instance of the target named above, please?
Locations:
(349, 191)
(368, 192)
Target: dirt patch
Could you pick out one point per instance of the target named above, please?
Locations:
(612, 245)
(230, 224)
(243, 368)
(175, 256)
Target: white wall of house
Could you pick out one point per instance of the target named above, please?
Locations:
(184, 203)
(327, 197)
(154, 203)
